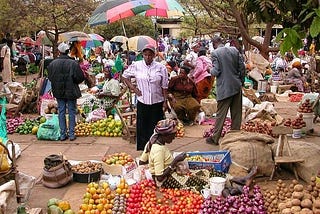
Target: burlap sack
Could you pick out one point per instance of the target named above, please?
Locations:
(248, 149)
(307, 151)
(8, 198)
(209, 106)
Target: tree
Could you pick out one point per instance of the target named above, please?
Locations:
(137, 25)
(53, 17)
(8, 18)
(305, 21)
(237, 16)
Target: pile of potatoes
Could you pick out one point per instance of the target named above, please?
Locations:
(86, 167)
(294, 198)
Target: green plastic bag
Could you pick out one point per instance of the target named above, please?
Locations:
(3, 119)
(118, 64)
(50, 129)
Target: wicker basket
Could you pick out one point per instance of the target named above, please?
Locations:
(9, 174)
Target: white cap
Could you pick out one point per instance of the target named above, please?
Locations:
(63, 47)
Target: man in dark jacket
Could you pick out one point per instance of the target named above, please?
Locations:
(229, 70)
(65, 74)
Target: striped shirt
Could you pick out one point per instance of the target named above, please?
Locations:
(150, 80)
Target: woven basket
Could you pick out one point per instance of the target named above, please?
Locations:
(9, 174)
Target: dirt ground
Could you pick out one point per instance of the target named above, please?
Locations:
(34, 151)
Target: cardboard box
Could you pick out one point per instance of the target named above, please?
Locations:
(117, 169)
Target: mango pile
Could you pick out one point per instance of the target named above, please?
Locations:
(108, 127)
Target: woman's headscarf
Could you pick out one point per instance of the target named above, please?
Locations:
(163, 127)
(167, 126)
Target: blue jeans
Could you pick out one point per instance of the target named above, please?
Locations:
(63, 104)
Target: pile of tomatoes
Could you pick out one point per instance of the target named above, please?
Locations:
(145, 199)
(295, 97)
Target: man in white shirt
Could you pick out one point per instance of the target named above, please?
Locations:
(191, 58)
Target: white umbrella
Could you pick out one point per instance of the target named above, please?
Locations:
(259, 39)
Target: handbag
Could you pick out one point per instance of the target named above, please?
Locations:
(56, 172)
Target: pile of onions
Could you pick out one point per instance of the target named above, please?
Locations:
(245, 203)
(226, 128)
(13, 123)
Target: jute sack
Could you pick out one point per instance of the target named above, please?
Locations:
(209, 106)
(248, 149)
(307, 151)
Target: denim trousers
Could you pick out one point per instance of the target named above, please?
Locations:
(71, 105)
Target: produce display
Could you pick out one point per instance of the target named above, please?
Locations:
(249, 203)
(172, 183)
(293, 198)
(13, 123)
(30, 126)
(52, 108)
(196, 182)
(180, 130)
(87, 167)
(225, 129)
(57, 206)
(259, 127)
(214, 173)
(118, 158)
(108, 127)
(97, 199)
(144, 199)
(305, 107)
(119, 204)
(205, 158)
(295, 97)
(296, 123)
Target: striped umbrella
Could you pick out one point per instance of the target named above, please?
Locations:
(165, 8)
(73, 36)
(120, 39)
(96, 41)
(95, 36)
(137, 43)
(114, 10)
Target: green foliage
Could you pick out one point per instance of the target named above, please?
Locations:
(137, 25)
(308, 20)
(291, 40)
(315, 27)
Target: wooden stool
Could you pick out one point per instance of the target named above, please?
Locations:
(129, 132)
(279, 158)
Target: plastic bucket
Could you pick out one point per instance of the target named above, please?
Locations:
(273, 89)
(308, 119)
(217, 185)
(296, 133)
